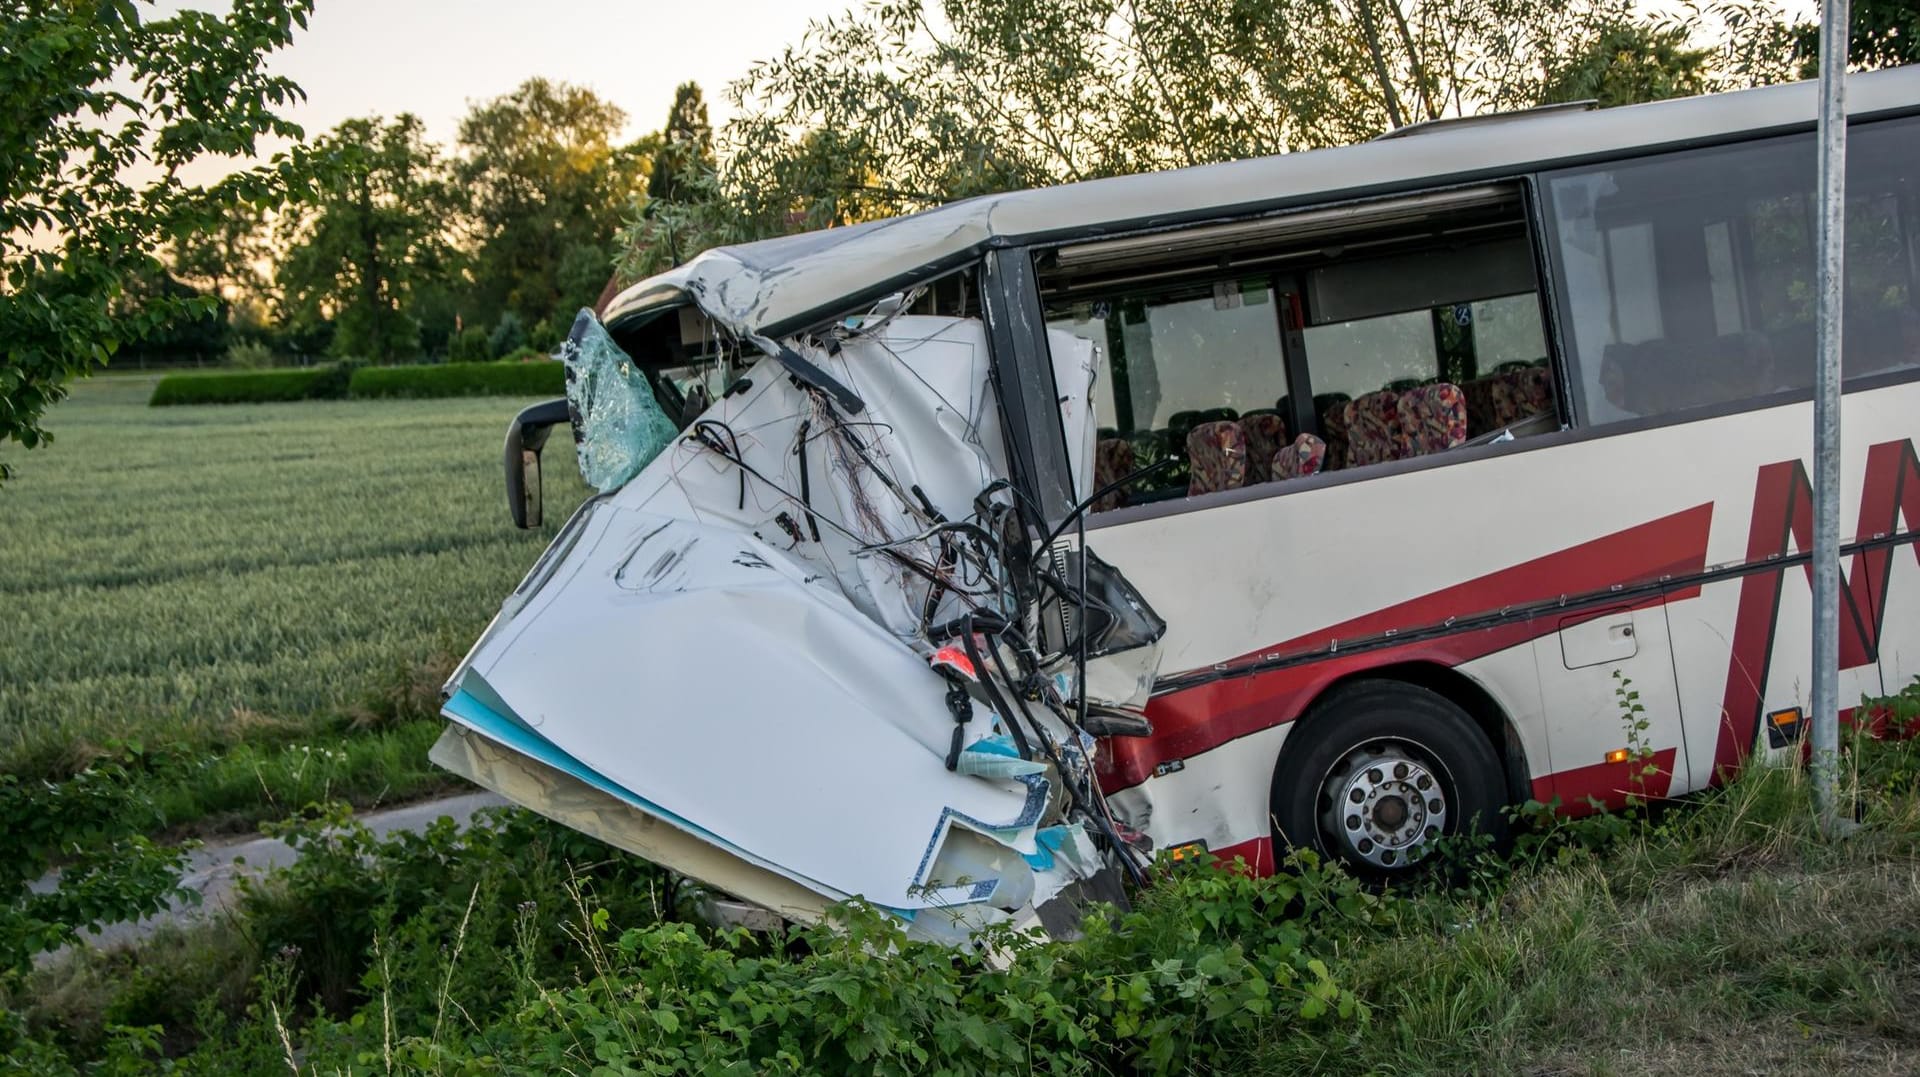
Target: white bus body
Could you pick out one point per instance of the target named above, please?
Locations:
(1481, 472)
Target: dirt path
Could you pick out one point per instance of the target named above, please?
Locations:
(213, 868)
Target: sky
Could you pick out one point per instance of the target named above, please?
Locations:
(435, 58)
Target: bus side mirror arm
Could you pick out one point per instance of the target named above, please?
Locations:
(526, 436)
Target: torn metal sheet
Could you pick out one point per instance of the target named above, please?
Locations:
(807, 648)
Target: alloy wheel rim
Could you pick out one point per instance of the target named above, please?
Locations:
(1384, 804)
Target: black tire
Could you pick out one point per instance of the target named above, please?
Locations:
(1369, 746)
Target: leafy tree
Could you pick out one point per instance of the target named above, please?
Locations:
(101, 112)
(371, 234)
(1631, 62)
(198, 334)
(685, 144)
(223, 257)
(908, 103)
(549, 189)
(1883, 33)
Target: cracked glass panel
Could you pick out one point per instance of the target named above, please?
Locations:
(618, 427)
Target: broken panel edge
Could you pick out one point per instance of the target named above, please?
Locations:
(573, 803)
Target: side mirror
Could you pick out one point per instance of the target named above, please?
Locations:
(526, 436)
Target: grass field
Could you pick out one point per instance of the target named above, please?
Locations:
(197, 578)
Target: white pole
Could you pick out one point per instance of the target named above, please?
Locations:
(1826, 414)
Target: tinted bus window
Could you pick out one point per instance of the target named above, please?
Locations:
(1687, 279)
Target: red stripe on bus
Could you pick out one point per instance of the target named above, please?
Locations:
(1258, 854)
(1783, 523)
(1608, 784)
(1194, 720)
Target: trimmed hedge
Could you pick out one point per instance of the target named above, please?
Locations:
(341, 380)
(534, 378)
(249, 387)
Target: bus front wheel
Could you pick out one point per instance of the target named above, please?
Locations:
(1381, 771)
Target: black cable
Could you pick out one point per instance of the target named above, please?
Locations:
(1079, 510)
(806, 478)
(972, 647)
(703, 433)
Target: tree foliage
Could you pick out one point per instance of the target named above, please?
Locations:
(1631, 62)
(908, 103)
(549, 187)
(371, 234)
(100, 113)
(685, 144)
(1883, 33)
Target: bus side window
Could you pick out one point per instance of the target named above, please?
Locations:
(1688, 277)
(1178, 365)
(1417, 352)
(1260, 351)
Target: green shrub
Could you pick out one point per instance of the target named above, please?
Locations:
(91, 826)
(249, 355)
(545, 336)
(469, 346)
(509, 333)
(461, 379)
(249, 387)
(334, 381)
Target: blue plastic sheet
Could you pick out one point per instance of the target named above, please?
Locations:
(995, 757)
(618, 427)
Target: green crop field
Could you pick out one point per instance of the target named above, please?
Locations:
(181, 576)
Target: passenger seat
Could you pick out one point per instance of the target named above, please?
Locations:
(1332, 409)
(1374, 433)
(1217, 452)
(1306, 456)
(1112, 461)
(1266, 434)
(1433, 418)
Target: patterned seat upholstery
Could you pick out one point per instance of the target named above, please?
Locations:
(1218, 452)
(1374, 433)
(1534, 388)
(1265, 432)
(1332, 408)
(1112, 461)
(1482, 412)
(1433, 418)
(1306, 456)
(1520, 393)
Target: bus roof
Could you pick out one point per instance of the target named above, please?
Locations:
(779, 286)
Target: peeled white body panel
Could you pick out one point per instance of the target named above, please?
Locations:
(697, 668)
(728, 643)
(930, 422)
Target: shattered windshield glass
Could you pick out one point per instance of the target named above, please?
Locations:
(618, 427)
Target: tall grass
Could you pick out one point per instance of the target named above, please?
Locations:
(1721, 935)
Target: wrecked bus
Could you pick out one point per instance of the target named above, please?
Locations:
(965, 561)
